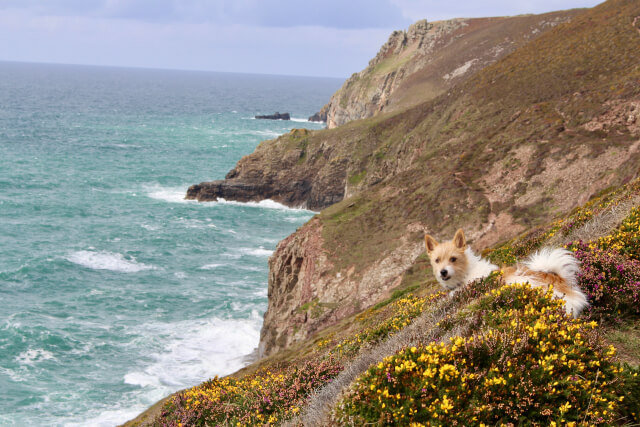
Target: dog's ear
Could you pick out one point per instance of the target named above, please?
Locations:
(430, 243)
(459, 239)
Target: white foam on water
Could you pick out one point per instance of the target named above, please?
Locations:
(301, 120)
(111, 417)
(33, 356)
(211, 266)
(104, 260)
(176, 195)
(197, 350)
(168, 194)
(267, 133)
(259, 252)
(267, 203)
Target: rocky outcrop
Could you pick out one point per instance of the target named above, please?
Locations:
(290, 170)
(316, 169)
(429, 58)
(303, 298)
(320, 116)
(275, 116)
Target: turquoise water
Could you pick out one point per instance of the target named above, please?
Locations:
(114, 291)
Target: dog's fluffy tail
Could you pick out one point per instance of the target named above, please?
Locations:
(562, 263)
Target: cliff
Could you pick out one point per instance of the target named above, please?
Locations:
(512, 150)
(317, 169)
(423, 62)
(523, 140)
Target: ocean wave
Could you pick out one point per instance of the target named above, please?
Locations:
(112, 417)
(176, 195)
(172, 195)
(258, 252)
(267, 203)
(195, 350)
(267, 133)
(104, 260)
(33, 356)
(211, 266)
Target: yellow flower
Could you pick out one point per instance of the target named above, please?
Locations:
(446, 404)
(564, 408)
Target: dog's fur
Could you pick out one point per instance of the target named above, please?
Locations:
(455, 265)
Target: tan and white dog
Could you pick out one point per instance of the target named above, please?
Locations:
(455, 265)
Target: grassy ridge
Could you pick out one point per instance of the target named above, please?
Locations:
(539, 97)
(504, 353)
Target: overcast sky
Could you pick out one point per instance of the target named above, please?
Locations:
(295, 37)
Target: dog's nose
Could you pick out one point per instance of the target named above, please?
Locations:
(444, 272)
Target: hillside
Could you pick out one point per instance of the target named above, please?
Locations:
(523, 140)
(513, 150)
(423, 62)
(492, 354)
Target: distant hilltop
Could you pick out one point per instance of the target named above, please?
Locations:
(428, 59)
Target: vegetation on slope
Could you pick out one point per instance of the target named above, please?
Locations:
(432, 163)
(491, 354)
(526, 139)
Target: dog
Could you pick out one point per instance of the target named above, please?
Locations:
(455, 265)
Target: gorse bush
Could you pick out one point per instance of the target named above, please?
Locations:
(626, 239)
(266, 397)
(403, 310)
(533, 365)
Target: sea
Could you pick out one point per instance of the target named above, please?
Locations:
(114, 290)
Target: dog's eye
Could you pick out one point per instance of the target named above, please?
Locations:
(452, 259)
(437, 260)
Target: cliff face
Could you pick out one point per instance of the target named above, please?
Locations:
(429, 58)
(523, 140)
(318, 169)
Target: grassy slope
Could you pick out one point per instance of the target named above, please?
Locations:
(278, 387)
(436, 153)
(527, 99)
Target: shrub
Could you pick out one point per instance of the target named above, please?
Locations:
(268, 396)
(404, 310)
(610, 280)
(531, 365)
(626, 239)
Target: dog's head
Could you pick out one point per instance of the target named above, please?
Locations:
(448, 260)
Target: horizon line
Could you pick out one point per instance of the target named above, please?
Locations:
(134, 67)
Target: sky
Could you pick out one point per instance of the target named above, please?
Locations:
(330, 38)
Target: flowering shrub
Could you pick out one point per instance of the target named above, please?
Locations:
(266, 397)
(610, 280)
(531, 365)
(404, 311)
(626, 239)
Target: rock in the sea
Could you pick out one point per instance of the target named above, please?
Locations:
(276, 116)
(320, 116)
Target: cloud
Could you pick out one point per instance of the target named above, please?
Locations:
(437, 9)
(309, 50)
(339, 14)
